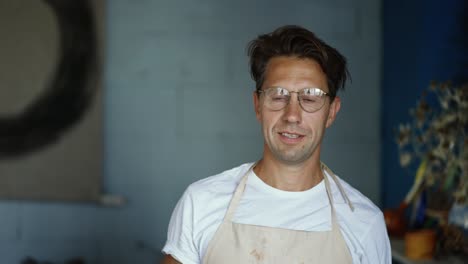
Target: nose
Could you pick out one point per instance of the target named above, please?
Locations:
(293, 111)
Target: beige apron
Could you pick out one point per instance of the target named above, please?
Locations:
(235, 243)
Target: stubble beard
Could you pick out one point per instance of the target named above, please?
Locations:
(292, 155)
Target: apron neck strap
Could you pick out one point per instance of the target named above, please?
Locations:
(241, 187)
(338, 183)
(237, 195)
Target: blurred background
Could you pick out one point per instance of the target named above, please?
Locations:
(174, 105)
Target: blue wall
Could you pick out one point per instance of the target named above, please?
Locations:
(422, 42)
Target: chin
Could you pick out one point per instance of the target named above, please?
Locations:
(291, 158)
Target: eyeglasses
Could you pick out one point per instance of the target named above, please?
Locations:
(310, 99)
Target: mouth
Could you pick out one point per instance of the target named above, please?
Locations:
(290, 137)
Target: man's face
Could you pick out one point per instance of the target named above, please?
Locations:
(292, 135)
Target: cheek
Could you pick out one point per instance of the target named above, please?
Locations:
(316, 123)
(269, 119)
(267, 123)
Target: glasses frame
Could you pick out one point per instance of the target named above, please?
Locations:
(263, 91)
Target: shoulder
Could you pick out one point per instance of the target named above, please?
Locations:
(364, 208)
(222, 183)
(365, 214)
(364, 227)
(199, 212)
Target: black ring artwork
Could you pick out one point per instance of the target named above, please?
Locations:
(64, 103)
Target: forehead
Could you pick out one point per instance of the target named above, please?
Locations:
(294, 73)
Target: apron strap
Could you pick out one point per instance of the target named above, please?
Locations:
(340, 187)
(241, 187)
(237, 195)
(334, 220)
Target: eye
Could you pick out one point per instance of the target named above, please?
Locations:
(279, 97)
(279, 94)
(309, 99)
(311, 95)
(281, 91)
(313, 92)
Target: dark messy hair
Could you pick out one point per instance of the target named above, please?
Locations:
(295, 41)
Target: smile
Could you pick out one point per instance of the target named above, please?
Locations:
(288, 135)
(290, 138)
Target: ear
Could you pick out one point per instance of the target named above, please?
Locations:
(333, 111)
(257, 107)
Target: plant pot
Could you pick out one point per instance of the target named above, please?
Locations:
(420, 244)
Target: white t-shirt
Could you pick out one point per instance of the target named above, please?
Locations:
(202, 207)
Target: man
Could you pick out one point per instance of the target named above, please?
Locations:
(288, 207)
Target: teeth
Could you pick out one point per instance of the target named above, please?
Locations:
(289, 135)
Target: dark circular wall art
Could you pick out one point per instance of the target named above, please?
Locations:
(48, 117)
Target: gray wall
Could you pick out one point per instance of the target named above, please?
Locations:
(178, 108)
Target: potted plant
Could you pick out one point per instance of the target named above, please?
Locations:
(435, 141)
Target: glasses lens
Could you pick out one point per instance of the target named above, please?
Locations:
(276, 98)
(312, 99)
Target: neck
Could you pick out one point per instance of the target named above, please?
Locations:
(289, 177)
